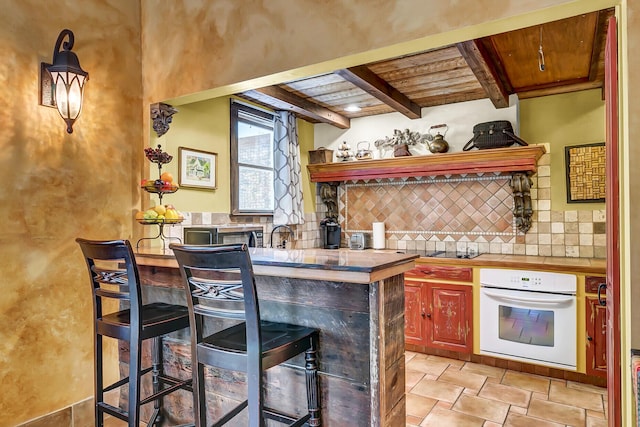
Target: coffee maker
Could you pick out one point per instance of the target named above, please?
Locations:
(330, 231)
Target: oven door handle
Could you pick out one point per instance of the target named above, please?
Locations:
(536, 300)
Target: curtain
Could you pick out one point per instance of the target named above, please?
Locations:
(288, 207)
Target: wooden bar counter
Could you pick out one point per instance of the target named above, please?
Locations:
(355, 299)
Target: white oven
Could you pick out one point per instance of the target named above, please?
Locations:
(529, 316)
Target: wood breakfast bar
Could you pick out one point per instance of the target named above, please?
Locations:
(355, 299)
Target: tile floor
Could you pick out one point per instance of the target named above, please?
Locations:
(449, 393)
(444, 392)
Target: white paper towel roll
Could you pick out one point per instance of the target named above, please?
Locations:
(378, 235)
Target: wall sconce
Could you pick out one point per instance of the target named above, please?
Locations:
(62, 83)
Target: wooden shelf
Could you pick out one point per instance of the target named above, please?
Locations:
(513, 159)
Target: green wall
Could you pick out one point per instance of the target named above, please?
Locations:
(205, 126)
(563, 120)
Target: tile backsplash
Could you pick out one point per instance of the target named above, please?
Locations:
(306, 235)
(455, 212)
(472, 211)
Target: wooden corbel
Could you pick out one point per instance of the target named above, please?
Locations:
(329, 196)
(521, 186)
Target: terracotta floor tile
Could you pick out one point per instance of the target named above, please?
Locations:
(447, 395)
(482, 408)
(587, 387)
(444, 405)
(412, 377)
(463, 379)
(408, 355)
(437, 390)
(517, 420)
(507, 394)
(528, 382)
(540, 396)
(596, 422)
(427, 366)
(595, 414)
(575, 397)
(557, 412)
(487, 371)
(444, 417)
(419, 406)
(413, 421)
(518, 410)
(452, 362)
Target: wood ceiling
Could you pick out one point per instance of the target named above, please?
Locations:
(572, 52)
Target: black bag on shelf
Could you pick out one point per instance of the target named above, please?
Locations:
(497, 134)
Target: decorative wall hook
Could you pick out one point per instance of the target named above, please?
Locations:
(161, 117)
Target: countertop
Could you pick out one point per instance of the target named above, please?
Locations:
(526, 262)
(314, 264)
(332, 264)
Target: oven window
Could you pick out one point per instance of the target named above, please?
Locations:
(526, 326)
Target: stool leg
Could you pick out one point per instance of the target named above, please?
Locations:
(313, 387)
(134, 379)
(199, 395)
(156, 370)
(98, 381)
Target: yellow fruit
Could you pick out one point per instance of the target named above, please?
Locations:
(166, 176)
(160, 209)
(171, 214)
(150, 214)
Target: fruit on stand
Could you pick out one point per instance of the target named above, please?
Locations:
(160, 209)
(167, 177)
(158, 185)
(160, 214)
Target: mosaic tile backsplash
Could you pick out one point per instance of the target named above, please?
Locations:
(468, 212)
(458, 212)
(454, 207)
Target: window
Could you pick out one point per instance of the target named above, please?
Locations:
(252, 174)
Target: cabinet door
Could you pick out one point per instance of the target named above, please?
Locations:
(596, 337)
(414, 313)
(449, 317)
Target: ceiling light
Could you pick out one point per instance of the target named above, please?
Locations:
(352, 108)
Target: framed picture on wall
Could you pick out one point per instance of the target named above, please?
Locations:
(197, 168)
(585, 167)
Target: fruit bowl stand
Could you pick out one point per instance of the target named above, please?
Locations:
(160, 188)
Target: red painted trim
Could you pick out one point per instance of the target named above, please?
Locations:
(613, 227)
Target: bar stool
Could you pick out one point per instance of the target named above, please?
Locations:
(113, 274)
(220, 284)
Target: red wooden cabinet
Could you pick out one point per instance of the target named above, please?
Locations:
(596, 322)
(439, 315)
(415, 312)
(449, 317)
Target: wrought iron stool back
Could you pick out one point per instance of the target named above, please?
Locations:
(113, 275)
(227, 333)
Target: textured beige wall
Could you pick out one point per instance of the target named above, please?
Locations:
(56, 187)
(229, 42)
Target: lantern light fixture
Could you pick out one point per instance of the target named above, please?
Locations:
(66, 82)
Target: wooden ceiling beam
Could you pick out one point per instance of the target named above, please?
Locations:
(599, 40)
(281, 99)
(371, 83)
(472, 52)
